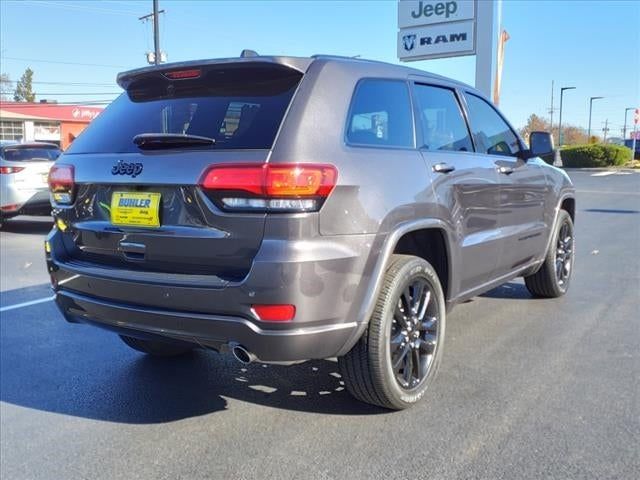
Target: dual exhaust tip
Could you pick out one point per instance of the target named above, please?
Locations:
(243, 355)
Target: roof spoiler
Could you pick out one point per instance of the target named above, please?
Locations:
(299, 64)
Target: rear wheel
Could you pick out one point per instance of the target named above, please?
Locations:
(156, 348)
(394, 362)
(552, 280)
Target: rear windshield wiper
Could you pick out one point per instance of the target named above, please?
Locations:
(170, 140)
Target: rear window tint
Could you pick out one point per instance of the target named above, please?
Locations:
(381, 114)
(29, 154)
(240, 107)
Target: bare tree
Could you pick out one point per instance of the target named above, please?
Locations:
(571, 135)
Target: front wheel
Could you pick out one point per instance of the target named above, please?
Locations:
(553, 277)
(156, 348)
(397, 358)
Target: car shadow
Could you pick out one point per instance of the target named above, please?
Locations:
(28, 225)
(612, 210)
(511, 291)
(50, 365)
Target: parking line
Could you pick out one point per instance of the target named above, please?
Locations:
(26, 304)
(604, 192)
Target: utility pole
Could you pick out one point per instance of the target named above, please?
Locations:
(551, 110)
(157, 54)
(605, 130)
(624, 130)
(590, 109)
(560, 121)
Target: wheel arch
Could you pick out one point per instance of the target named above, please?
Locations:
(431, 245)
(389, 245)
(568, 203)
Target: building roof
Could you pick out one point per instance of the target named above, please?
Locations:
(48, 112)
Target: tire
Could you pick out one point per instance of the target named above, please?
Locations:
(554, 276)
(157, 348)
(367, 369)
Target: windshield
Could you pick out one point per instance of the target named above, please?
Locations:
(30, 154)
(239, 108)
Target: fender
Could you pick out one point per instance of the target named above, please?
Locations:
(567, 193)
(369, 301)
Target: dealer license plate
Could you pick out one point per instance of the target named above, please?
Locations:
(135, 209)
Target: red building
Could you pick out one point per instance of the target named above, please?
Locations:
(44, 122)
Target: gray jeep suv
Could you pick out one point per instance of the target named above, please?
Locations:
(287, 209)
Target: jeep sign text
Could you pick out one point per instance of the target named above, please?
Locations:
(428, 12)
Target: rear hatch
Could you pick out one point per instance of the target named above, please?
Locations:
(138, 168)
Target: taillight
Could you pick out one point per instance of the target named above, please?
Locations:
(299, 187)
(62, 184)
(274, 313)
(8, 170)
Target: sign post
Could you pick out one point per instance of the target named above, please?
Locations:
(636, 121)
(431, 29)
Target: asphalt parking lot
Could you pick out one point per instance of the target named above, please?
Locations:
(528, 388)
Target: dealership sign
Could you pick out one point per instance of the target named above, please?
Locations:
(436, 29)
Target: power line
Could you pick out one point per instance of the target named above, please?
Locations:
(38, 105)
(62, 63)
(76, 93)
(76, 7)
(75, 84)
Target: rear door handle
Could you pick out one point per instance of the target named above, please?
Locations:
(506, 170)
(443, 168)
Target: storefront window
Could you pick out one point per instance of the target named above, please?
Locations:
(11, 130)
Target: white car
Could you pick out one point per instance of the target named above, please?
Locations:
(24, 168)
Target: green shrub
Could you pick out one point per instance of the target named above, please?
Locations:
(597, 155)
(550, 158)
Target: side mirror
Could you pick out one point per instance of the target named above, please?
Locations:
(540, 144)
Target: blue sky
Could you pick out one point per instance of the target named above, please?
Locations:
(592, 45)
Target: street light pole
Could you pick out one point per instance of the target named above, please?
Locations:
(590, 108)
(560, 119)
(624, 130)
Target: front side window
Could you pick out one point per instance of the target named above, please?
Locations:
(380, 114)
(443, 126)
(491, 133)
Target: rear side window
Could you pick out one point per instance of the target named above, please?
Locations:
(491, 133)
(30, 154)
(381, 114)
(443, 126)
(239, 106)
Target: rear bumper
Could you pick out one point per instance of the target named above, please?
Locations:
(16, 201)
(323, 278)
(208, 330)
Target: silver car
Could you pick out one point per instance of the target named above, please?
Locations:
(24, 168)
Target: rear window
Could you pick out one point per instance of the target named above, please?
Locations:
(380, 114)
(30, 154)
(240, 107)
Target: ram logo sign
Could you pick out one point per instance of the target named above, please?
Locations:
(436, 29)
(437, 41)
(409, 42)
